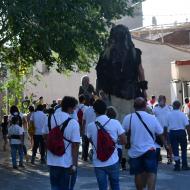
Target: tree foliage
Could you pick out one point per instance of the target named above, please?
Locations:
(68, 32)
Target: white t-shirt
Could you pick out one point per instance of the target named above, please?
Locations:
(15, 130)
(58, 109)
(141, 141)
(177, 120)
(82, 107)
(22, 117)
(89, 116)
(186, 110)
(161, 114)
(39, 118)
(15, 114)
(74, 115)
(114, 128)
(71, 132)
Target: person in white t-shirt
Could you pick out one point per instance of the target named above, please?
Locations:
(38, 119)
(108, 169)
(14, 111)
(111, 112)
(186, 107)
(89, 116)
(80, 109)
(63, 169)
(177, 125)
(15, 134)
(142, 151)
(161, 112)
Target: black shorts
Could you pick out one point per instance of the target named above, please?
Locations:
(145, 163)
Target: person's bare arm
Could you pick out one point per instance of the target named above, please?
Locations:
(188, 131)
(142, 78)
(164, 141)
(25, 124)
(123, 139)
(75, 150)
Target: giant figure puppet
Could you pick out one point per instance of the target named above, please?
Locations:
(119, 71)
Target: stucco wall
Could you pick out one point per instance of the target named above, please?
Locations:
(156, 60)
(53, 86)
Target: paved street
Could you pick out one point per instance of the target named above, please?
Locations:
(36, 177)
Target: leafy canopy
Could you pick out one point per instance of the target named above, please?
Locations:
(68, 32)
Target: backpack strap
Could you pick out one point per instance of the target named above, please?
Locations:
(49, 122)
(98, 124)
(63, 127)
(145, 125)
(80, 109)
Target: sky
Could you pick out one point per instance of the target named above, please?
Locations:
(166, 11)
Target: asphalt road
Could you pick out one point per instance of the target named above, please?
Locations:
(36, 177)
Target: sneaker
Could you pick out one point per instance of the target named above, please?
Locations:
(43, 162)
(32, 162)
(15, 167)
(21, 165)
(169, 161)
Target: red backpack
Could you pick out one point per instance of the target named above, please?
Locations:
(105, 144)
(80, 115)
(55, 141)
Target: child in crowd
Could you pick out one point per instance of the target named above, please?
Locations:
(15, 134)
(4, 127)
(112, 114)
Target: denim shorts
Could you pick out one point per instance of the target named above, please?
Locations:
(145, 163)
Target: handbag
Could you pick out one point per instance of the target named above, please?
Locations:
(158, 140)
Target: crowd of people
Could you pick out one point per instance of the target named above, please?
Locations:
(57, 131)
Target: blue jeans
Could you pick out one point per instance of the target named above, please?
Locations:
(14, 149)
(38, 143)
(60, 178)
(178, 137)
(112, 172)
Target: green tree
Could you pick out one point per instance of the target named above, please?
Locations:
(68, 32)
